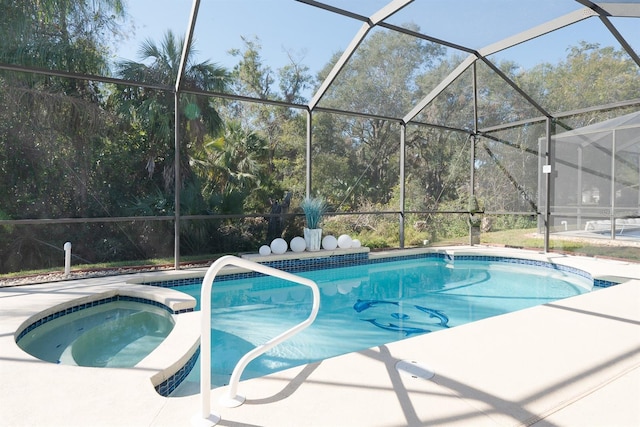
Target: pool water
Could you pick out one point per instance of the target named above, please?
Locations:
(629, 232)
(365, 306)
(117, 334)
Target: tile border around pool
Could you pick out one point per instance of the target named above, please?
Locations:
(167, 387)
(337, 261)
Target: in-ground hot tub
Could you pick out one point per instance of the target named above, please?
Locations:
(118, 331)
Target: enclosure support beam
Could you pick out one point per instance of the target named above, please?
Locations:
(472, 169)
(403, 137)
(474, 76)
(612, 214)
(308, 160)
(176, 125)
(604, 12)
(177, 184)
(548, 173)
(579, 189)
(472, 177)
(540, 30)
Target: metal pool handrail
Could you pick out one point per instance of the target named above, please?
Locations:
(232, 399)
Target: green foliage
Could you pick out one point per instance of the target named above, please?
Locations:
(591, 75)
(370, 146)
(153, 111)
(152, 204)
(283, 130)
(513, 222)
(63, 35)
(473, 206)
(374, 242)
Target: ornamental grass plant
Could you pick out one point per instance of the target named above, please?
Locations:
(314, 208)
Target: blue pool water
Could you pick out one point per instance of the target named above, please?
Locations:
(116, 334)
(365, 306)
(629, 232)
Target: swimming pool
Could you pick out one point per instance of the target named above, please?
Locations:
(367, 305)
(628, 232)
(108, 332)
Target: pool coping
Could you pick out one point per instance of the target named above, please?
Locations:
(39, 295)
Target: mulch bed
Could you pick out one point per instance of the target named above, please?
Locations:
(57, 276)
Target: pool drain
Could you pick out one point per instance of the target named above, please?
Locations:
(414, 369)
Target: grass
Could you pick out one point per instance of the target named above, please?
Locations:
(530, 240)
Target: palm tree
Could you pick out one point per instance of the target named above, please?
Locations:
(232, 164)
(154, 109)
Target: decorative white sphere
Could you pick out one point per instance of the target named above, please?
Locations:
(329, 242)
(356, 243)
(344, 241)
(279, 246)
(297, 244)
(264, 250)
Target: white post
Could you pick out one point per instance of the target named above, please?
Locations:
(67, 259)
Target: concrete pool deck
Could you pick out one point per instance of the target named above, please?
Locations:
(574, 362)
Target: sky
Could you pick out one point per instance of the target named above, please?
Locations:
(311, 35)
(220, 29)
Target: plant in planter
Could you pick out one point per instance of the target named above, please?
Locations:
(314, 209)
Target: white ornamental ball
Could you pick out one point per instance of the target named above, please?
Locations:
(297, 244)
(344, 241)
(279, 246)
(264, 250)
(329, 242)
(356, 243)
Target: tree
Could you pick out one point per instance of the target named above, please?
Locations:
(590, 76)
(153, 109)
(232, 164)
(52, 128)
(283, 129)
(67, 35)
(52, 123)
(381, 78)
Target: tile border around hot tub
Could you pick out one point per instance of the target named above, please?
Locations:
(89, 304)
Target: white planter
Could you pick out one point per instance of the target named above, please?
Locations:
(312, 238)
